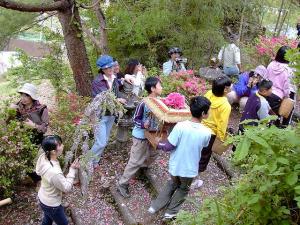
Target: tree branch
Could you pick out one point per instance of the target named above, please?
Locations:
(91, 36)
(89, 6)
(35, 23)
(43, 7)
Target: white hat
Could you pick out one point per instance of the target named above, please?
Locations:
(29, 89)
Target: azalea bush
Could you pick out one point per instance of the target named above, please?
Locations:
(267, 47)
(269, 190)
(185, 83)
(67, 115)
(17, 152)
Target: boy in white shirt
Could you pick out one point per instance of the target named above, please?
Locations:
(185, 143)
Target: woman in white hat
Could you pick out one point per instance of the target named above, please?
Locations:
(32, 112)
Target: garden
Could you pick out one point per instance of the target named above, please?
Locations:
(254, 181)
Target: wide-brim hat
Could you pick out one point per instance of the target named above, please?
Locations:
(30, 90)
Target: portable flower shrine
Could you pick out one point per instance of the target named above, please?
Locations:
(165, 113)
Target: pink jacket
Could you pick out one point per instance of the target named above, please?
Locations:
(280, 74)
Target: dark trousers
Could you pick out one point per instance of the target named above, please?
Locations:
(206, 154)
(173, 194)
(54, 214)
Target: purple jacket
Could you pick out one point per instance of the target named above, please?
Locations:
(280, 74)
(99, 85)
(241, 87)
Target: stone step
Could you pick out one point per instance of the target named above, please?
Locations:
(134, 209)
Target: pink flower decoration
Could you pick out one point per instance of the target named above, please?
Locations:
(175, 100)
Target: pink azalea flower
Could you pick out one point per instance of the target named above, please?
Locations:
(175, 100)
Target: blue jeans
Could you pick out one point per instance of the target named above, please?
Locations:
(53, 214)
(101, 136)
(229, 71)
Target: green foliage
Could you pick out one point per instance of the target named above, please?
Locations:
(146, 29)
(11, 22)
(17, 152)
(268, 193)
(293, 57)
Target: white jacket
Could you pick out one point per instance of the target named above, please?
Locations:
(53, 181)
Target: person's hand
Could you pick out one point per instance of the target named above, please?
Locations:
(122, 100)
(13, 106)
(129, 79)
(75, 164)
(144, 71)
(255, 81)
(250, 81)
(140, 67)
(29, 123)
(147, 124)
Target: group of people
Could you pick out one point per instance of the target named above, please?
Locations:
(259, 93)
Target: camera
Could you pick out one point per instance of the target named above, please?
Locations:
(181, 60)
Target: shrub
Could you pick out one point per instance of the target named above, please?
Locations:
(17, 153)
(68, 114)
(186, 83)
(267, 48)
(269, 191)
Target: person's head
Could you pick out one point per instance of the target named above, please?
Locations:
(174, 53)
(52, 146)
(116, 66)
(265, 87)
(106, 65)
(213, 62)
(280, 55)
(153, 86)
(259, 73)
(132, 67)
(233, 38)
(28, 94)
(221, 86)
(199, 107)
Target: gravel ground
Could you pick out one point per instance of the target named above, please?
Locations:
(213, 178)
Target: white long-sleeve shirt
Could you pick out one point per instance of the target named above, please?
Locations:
(53, 183)
(230, 55)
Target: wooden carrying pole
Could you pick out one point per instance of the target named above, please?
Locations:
(5, 201)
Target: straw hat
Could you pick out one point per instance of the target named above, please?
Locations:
(29, 89)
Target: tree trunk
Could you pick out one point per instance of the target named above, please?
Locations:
(76, 50)
(278, 18)
(102, 27)
(242, 23)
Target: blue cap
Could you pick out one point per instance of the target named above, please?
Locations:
(105, 61)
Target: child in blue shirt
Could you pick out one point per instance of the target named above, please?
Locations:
(185, 142)
(141, 154)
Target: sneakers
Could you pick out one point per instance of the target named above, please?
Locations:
(168, 216)
(123, 190)
(151, 210)
(196, 184)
